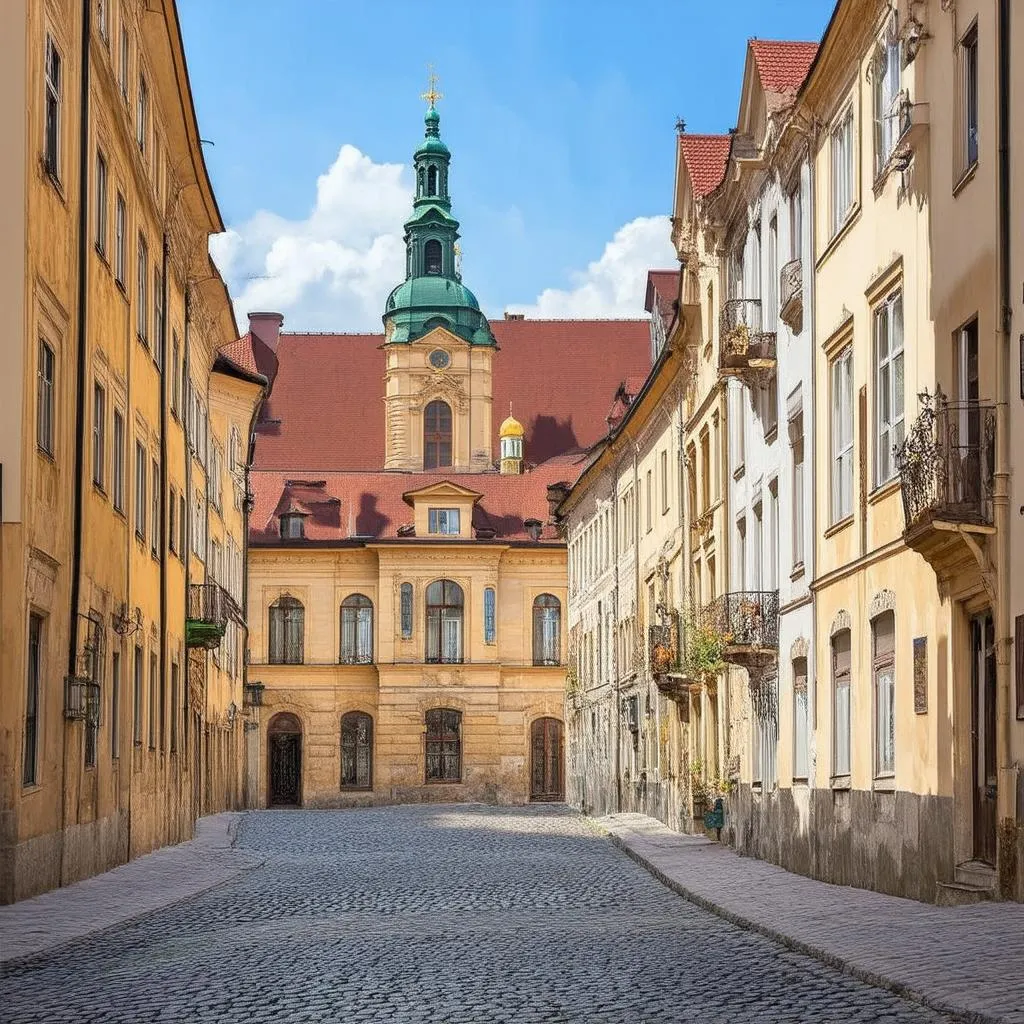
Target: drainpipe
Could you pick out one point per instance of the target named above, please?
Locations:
(1006, 791)
(616, 667)
(187, 553)
(81, 368)
(810, 451)
(161, 528)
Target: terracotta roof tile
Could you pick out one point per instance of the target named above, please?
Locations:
(782, 65)
(326, 410)
(662, 293)
(705, 157)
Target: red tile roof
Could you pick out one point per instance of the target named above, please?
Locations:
(782, 65)
(662, 293)
(326, 411)
(371, 506)
(251, 356)
(705, 157)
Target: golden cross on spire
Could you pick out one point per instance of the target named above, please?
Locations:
(431, 95)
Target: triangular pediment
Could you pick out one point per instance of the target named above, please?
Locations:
(431, 215)
(442, 490)
(440, 336)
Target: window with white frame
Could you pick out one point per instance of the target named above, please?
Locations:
(796, 429)
(120, 229)
(45, 399)
(841, 703)
(140, 491)
(99, 434)
(101, 203)
(843, 170)
(883, 639)
(772, 560)
(757, 548)
(122, 74)
(142, 116)
(444, 521)
(888, 385)
(157, 526)
(141, 303)
(741, 553)
(841, 373)
(52, 102)
(117, 471)
(887, 97)
(800, 719)
(968, 99)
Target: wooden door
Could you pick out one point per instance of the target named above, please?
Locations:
(284, 759)
(983, 702)
(546, 772)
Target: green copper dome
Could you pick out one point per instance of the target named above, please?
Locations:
(433, 294)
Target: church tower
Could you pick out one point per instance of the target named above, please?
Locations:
(438, 344)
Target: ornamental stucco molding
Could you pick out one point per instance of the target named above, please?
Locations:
(840, 622)
(883, 601)
(799, 649)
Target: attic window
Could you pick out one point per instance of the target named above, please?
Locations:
(293, 526)
(444, 521)
(432, 256)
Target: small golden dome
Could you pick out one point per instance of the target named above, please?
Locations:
(511, 428)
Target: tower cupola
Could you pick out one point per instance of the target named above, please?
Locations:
(510, 440)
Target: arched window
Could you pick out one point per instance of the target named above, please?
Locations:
(356, 630)
(547, 621)
(437, 435)
(287, 625)
(421, 178)
(444, 745)
(432, 181)
(406, 610)
(490, 626)
(444, 622)
(356, 751)
(432, 256)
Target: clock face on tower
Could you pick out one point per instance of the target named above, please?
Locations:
(439, 359)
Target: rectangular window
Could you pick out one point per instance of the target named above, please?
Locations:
(99, 434)
(153, 672)
(649, 496)
(406, 611)
(123, 68)
(797, 435)
(757, 549)
(841, 703)
(140, 491)
(490, 625)
(103, 20)
(44, 398)
(120, 229)
(842, 171)
(181, 525)
(174, 708)
(887, 100)
(142, 116)
(770, 408)
(33, 674)
(141, 303)
(969, 100)
(117, 476)
(888, 386)
(796, 236)
(155, 529)
(101, 203)
(664, 482)
(137, 698)
(175, 373)
(115, 705)
(770, 306)
(158, 317)
(705, 471)
(842, 435)
(772, 562)
(883, 638)
(172, 520)
(52, 109)
(737, 453)
(162, 713)
(800, 730)
(444, 521)
(741, 553)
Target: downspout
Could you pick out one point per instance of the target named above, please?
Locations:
(616, 667)
(187, 553)
(82, 365)
(161, 527)
(810, 457)
(1006, 789)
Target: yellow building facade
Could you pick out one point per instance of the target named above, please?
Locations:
(110, 727)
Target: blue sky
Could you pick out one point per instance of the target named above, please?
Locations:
(559, 115)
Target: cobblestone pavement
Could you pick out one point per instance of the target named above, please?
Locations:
(433, 914)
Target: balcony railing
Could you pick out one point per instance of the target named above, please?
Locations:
(747, 620)
(663, 645)
(791, 290)
(209, 608)
(946, 463)
(745, 347)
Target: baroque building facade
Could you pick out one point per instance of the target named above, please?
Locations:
(118, 726)
(407, 585)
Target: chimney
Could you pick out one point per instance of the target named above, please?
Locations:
(266, 327)
(514, 316)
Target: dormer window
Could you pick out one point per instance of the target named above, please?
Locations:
(444, 521)
(432, 256)
(293, 526)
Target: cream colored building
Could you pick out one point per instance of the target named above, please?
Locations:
(113, 739)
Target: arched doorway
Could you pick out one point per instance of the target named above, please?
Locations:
(546, 772)
(284, 760)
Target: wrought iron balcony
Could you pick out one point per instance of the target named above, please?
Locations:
(946, 465)
(746, 350)
(209, 608)
(791, 290)
(748, 623)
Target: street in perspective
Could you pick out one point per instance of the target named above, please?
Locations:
(508, 512)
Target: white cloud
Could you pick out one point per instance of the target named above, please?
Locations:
(334, 269)
(614, 285)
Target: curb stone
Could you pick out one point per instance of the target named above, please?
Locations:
(958, 1013)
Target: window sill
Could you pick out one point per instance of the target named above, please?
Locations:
(884, 784)
(852, 216)
(884, 490)
(841, 782)
(839, 526)
(142, 340)
(965, 179)
(443, 782)
(798, 571)
(51, 176)
(43, 453)
(356, 789)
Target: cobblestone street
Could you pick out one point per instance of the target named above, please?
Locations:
(429, 914)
